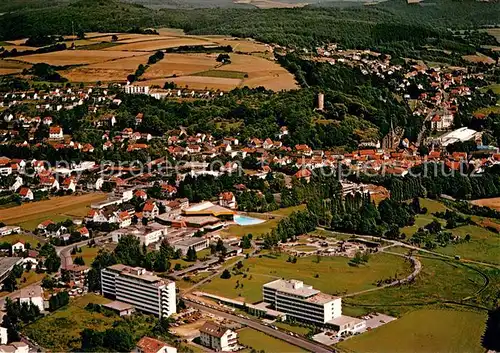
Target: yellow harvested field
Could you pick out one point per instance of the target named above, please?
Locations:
(244, 45)
(113, 70)
(202, 82)
(11, 67)
(18, 47)
(153, 45)
(48, 208)
(18, 41)
(75, 57)
(181, 64)
(491, 203)
(143, 38)
(479, 58)
(261, 72)
(170, 31)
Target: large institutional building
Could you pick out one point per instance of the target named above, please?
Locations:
(304, 303)
(145, 291)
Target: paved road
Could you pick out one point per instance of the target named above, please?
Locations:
(64, 252)
(296, 341)
(417, 267)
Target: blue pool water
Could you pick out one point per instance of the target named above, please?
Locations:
(247, 221)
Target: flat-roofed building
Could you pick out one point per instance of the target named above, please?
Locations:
(196, 243)
(301, 301)
(304, 303)
(136, 286)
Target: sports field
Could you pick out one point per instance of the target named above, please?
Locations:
(29, 215)
(443, 331)
(332, 275)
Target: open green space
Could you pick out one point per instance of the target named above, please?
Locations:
(60, 330)
(88, 254)
(221, 74)
(331, 275)
(262, 228)
(305, 248)
(483, 246)
(26, 238)
(443, 331)
(439, 281)
(301, 330)
(495, 88)
(260, 341)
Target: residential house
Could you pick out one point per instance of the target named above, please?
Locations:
(26, 194)
(152, 345)
(227, 199)
(218, 338)
(150, 210)
(56, 133)
(18, 247)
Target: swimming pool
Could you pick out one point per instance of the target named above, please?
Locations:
(247, 221)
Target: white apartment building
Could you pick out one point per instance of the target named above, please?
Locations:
(152, 233)
(304, 303)
(144, 290)
(301, 301)
(132, 89)
(218, 338)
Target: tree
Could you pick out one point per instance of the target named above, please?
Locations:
(114, 38)
(191, 254)
(225, 274)
(79, 261)
(128, 251)
(10, 283)
(246, 242)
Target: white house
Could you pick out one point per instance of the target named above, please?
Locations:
(33, 295)
(26, 194)
(18, 247)
(218, 338)
(3, 335)
(56, 133)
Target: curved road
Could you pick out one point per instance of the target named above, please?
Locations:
(296, 341)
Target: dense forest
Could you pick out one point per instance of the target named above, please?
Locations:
(391, 26)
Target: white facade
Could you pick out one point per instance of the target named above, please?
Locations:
(218, 338)
(131, 89)
(33, 295)
(142, 289)
(3, 335)
(302, 302)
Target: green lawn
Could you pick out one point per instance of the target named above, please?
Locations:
(335, 276)
(305, 248)
(88, 254)
(33, 223)
(438, 281)
(260, 229)
(484, 245)
(221, 74)
(60, 331)
(260, 341)
(301, 330)
(443, 331)
(28, 239)
(422, 220)
(495, 88)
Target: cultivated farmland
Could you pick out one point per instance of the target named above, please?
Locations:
(30, 215)
(75, 57)
(99, 58)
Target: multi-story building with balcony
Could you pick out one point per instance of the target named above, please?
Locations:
(301, 301)
(144, 290)
(304, 303)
